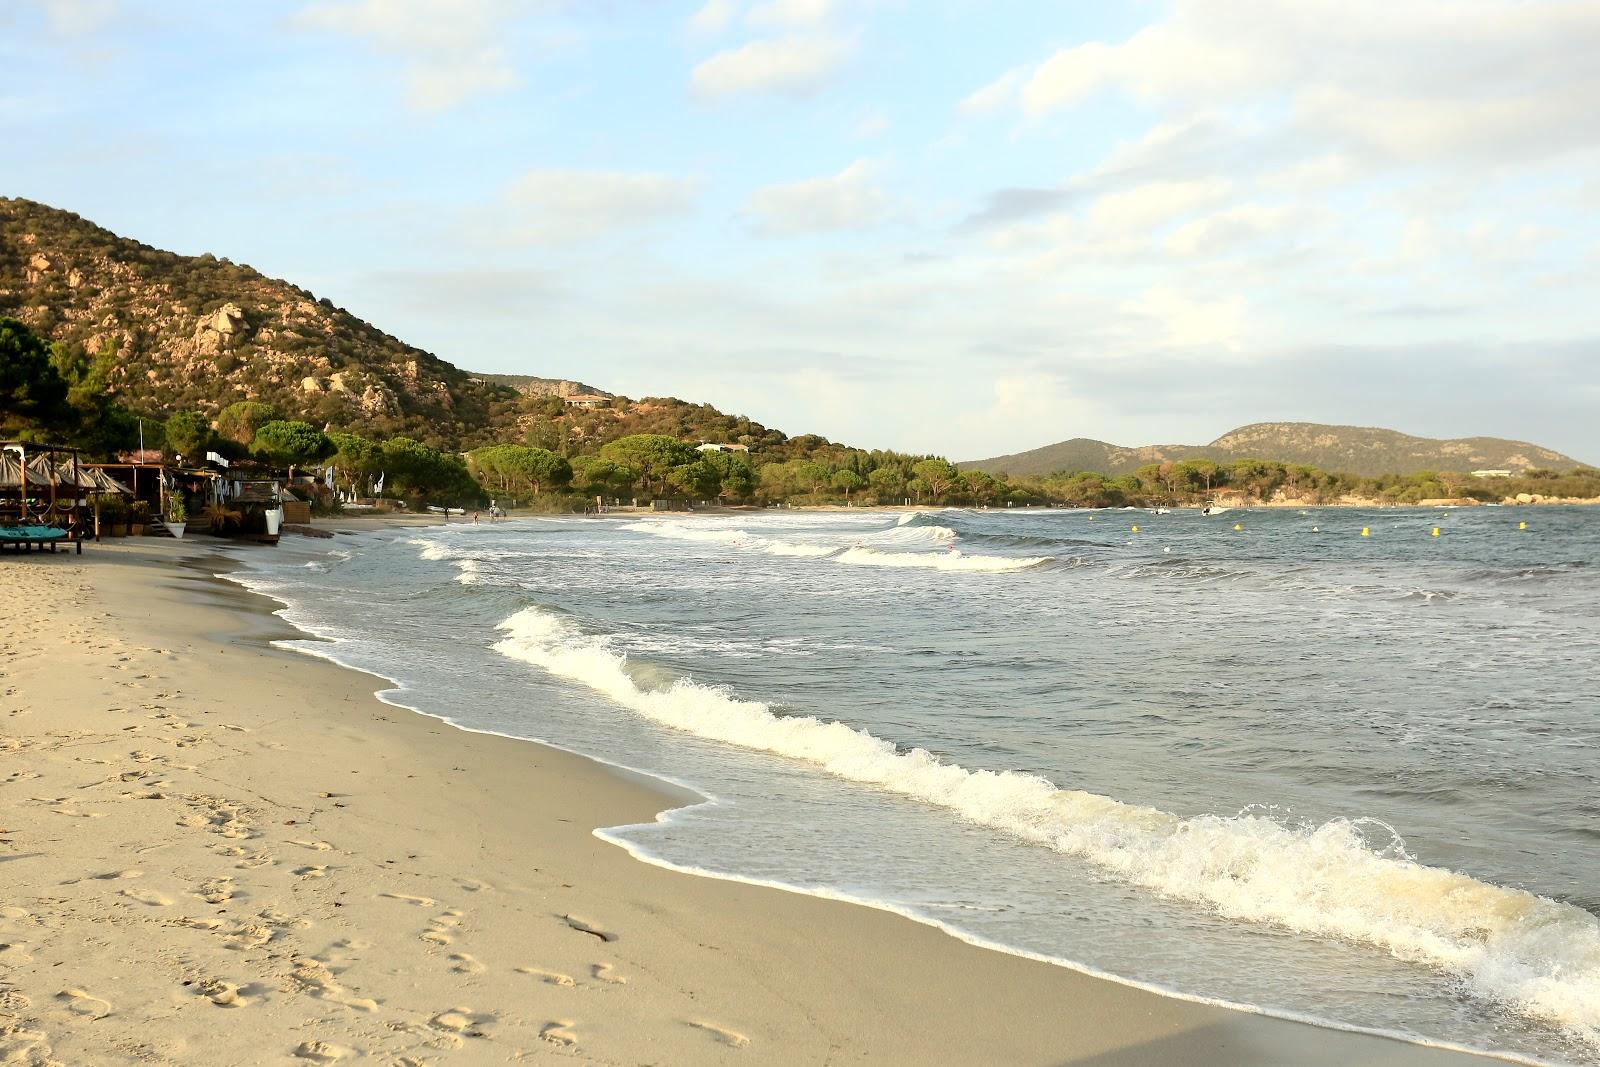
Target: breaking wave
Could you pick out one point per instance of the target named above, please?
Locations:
(1346, 879)
(953, 560)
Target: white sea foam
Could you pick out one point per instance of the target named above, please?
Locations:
(916, 535)
(938, 561)
(431, 549)
(738, 538)
(1534, 955)
(857, 553)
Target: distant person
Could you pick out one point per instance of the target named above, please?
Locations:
(474, 518)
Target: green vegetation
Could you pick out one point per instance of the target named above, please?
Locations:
(188, 434)
(32, 392)
(517, 470)
(289, 444)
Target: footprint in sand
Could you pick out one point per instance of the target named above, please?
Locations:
(441, 931)
(312, 976)
(583, 926)
(559, 1032)
(322, 1051)
(315, 846)
(247, 936)
(550, 977)
(149, 897)
(14, 1002)
(80, 1003)
(604, 972)
(311, 870)
(421, 902)
(215, 890)
(221, 993)
(110, 876)
(249, 860)
(463, 1021)
(731, 1038)
(463, 963)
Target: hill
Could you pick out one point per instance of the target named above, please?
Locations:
(198, 332)
(1367, 451)
(532, 385)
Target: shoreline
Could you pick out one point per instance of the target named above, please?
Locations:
(991, 1004)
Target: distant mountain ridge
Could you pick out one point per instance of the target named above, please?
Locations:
(1364, 450)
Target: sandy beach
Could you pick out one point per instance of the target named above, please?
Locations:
(215, 851)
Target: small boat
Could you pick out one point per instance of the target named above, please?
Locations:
(1213, 508)
(1161, 511)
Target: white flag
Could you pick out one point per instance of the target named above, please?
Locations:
(328, 477)
(379, 490)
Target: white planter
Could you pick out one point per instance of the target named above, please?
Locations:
(274, 520)
(177, 529)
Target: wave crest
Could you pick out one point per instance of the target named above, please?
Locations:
(1538, 956)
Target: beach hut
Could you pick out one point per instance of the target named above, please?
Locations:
(43, 493)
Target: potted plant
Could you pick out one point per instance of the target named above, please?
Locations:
(177, 516)
(140, 518)
(110, 516)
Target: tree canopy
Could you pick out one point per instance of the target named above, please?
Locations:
(293, 444)
(33, 394)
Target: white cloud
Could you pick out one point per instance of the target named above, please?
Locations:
(998, 94)
(1033, 406)
(74, 17)
(1410, 79)
(1142, 209)
(1223, 231)
(843, 201)
(1165, 317)
(714, 16)
(796, 65)
(793, 14)
(454, 49)
(572, 205)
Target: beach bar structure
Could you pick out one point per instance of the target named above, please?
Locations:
(44, 495)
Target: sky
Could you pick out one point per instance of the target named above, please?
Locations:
(966, 227)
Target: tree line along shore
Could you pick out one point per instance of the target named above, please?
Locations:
(58, 393)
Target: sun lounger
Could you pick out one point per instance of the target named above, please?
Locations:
(25, 537)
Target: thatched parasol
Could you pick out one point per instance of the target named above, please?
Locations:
(11, 474)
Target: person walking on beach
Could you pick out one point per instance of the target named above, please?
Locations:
(474, 518)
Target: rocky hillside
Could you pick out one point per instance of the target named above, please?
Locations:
(531, 385)
(199, 332)
(1362, 450)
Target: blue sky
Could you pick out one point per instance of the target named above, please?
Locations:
(953, 226)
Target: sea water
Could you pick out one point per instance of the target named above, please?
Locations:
(1257, 758)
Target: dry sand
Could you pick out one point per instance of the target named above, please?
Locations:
(213, 851)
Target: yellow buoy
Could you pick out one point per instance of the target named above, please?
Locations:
(1522, 526)
(1436, 531)
(1136, 529)
(1365, 532)
(1236, 526)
